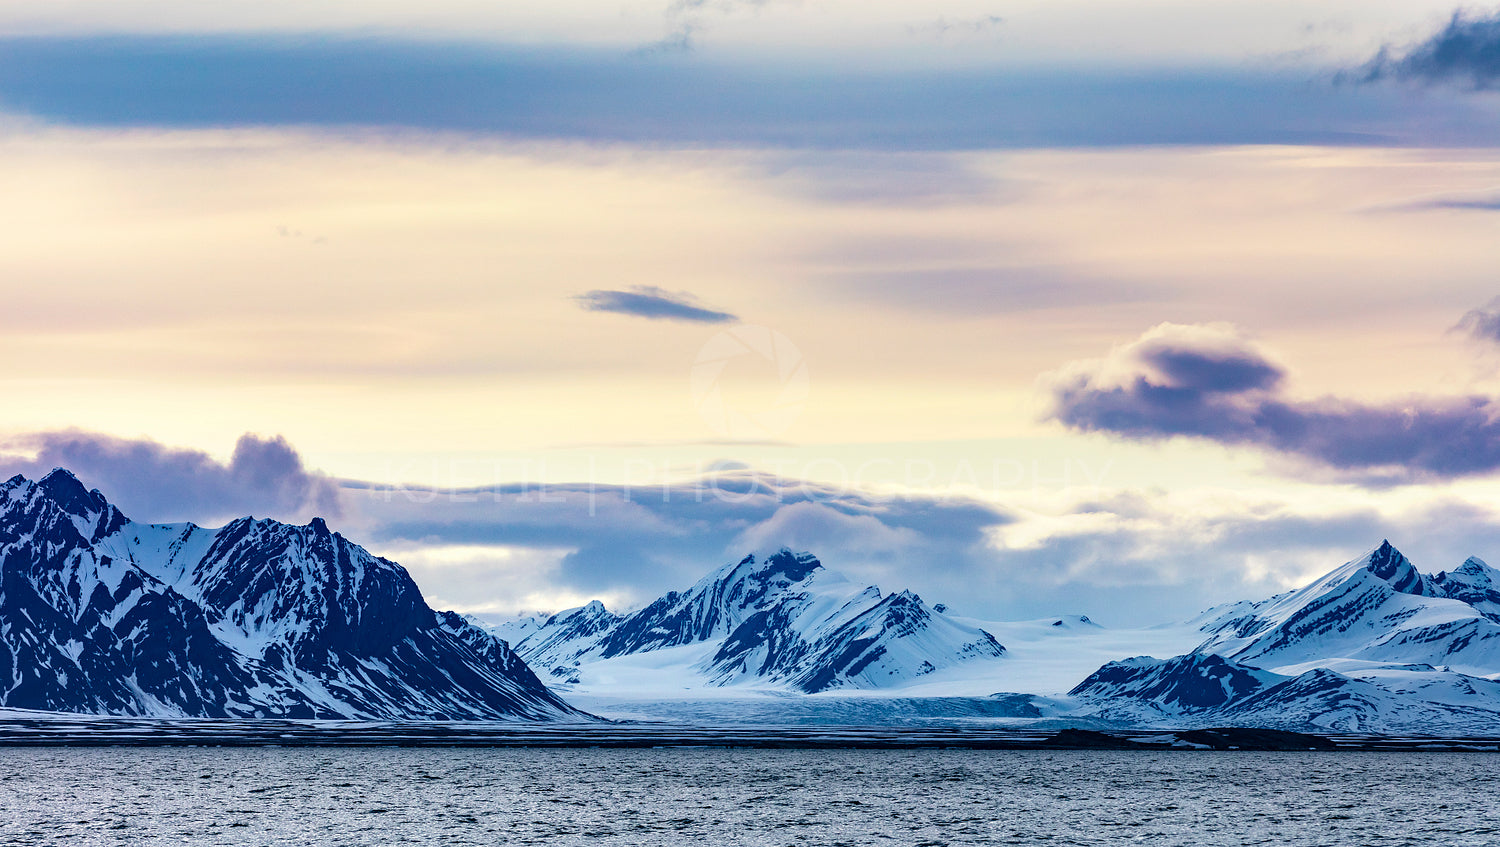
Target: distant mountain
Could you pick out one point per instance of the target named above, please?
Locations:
(1206, 690)
(1375, 645)
(784, 621)
(100, 614)
(1372, 646)
(1473, 582)
(1377, 608)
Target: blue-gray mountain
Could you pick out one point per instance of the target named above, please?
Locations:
(100, 614)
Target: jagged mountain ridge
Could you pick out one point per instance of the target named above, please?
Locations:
(1377, 608)
(1209, 690)
(1372, 646)
(785, 621)
(99, 614)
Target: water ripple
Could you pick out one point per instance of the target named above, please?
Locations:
(300, 797)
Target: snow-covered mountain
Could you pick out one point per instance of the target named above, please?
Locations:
(1198, 690)
(1376, 608)
(100, 614)
(1373, 646)
(785, 621)
(104, 615)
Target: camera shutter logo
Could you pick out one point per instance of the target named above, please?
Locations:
(763, 347)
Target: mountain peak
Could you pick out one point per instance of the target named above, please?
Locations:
(1474, 582)
(252, 620)
(63, 488)
(794, 566)
(591, 610)
(1473, 565)
(756, 575)
(1390, 565)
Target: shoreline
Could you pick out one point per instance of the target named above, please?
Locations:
(89, 731)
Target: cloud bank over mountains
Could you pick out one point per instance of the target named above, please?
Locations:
(264, 476)
(1123, 556)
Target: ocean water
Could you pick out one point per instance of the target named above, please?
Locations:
(343, 796)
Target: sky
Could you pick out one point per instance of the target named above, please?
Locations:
(1123, 309)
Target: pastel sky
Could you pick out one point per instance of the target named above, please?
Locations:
(1116, 308)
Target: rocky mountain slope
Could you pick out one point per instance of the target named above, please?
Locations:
(1373, 646)
(785, 621)
(1377, 608)
(100, 614)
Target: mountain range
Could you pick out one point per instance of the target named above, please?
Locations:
(101, 614)
(1374, 645)
(786, 621)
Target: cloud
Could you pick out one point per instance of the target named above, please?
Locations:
(984, 290)
(1470, 203)
(1207, 382)
(686, 20)
(1481, 204)
(1139, 558)
(639, 542)
(648, 301)
(1482, 324)
(607, 95)
(485, 579)
(152, 482)
(1123, 557)
(875, 178)
(943, 27)
(1466, 52)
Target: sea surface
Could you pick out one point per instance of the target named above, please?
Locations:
(364, 796)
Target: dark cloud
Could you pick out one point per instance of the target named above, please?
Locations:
(1211, 371)
(1207, 383)
(600, 95)
(648, 301)
(152, 482)
(1482, 324)
(1465, 52)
